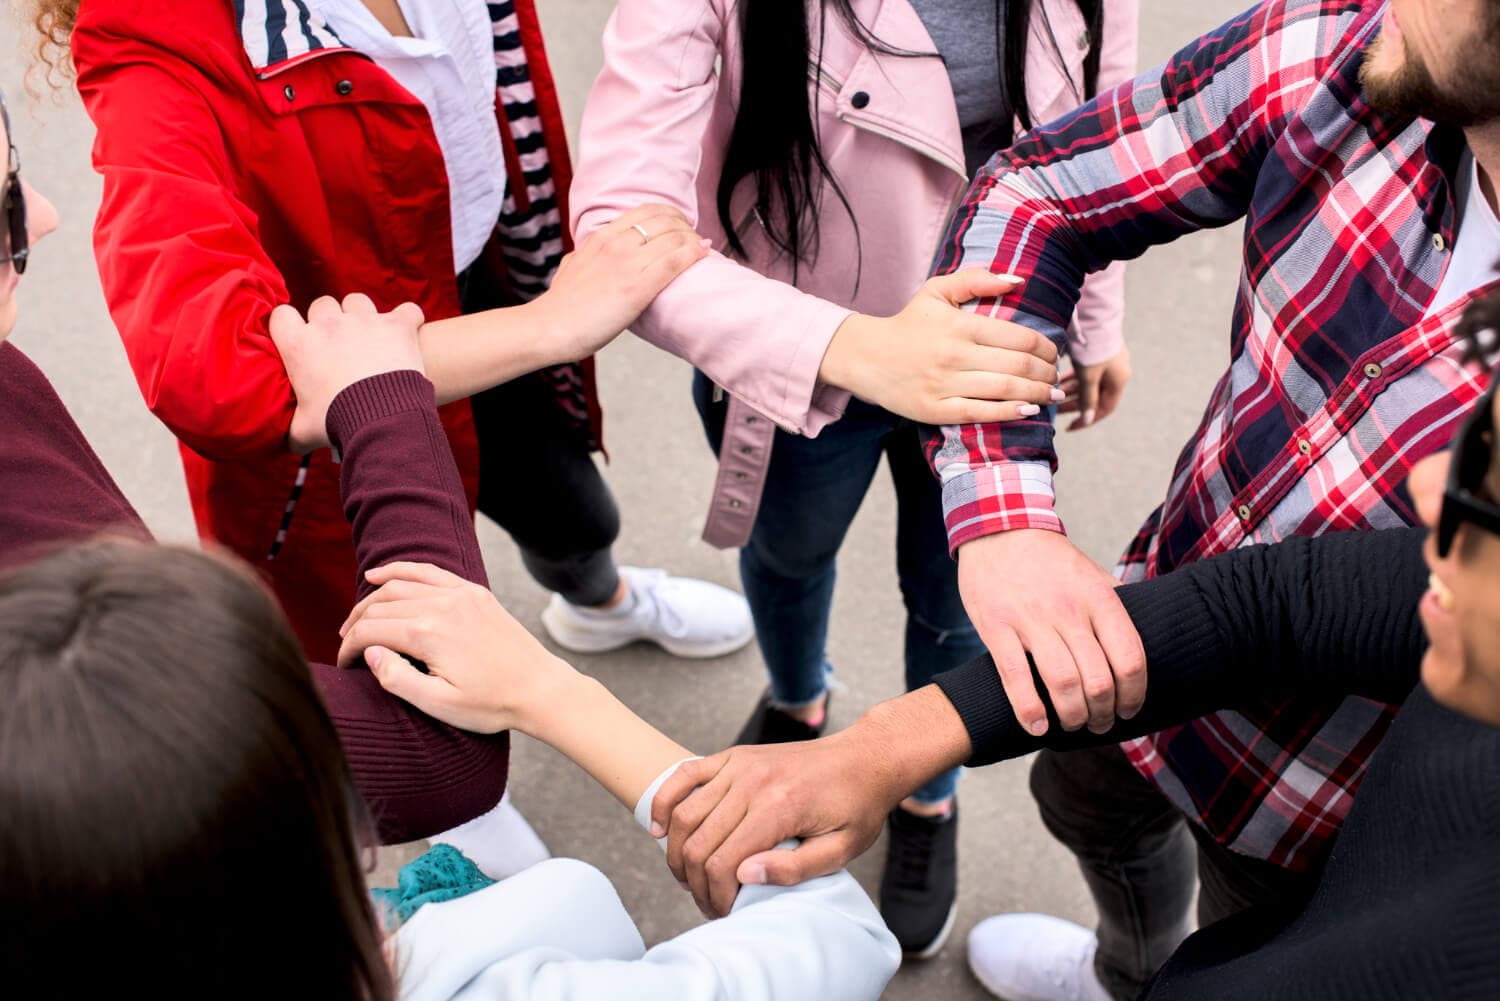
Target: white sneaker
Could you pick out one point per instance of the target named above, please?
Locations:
(501, 843)
(1035, 957)
(685, 617)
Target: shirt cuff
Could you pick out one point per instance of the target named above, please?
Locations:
(383, 395)
(643, 805)
(998, 498)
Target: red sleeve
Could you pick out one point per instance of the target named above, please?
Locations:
(187, 281)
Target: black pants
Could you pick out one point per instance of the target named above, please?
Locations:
(538, 481)
(1139, 856)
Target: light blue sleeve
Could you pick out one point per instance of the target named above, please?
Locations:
(823, 939)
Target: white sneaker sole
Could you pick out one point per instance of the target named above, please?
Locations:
(578, 641)
(936, 945)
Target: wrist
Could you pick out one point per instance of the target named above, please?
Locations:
(544, 337)
(902, 744)
(553, 693)
(841, 365)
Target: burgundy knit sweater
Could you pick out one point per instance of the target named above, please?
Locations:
(402, 494)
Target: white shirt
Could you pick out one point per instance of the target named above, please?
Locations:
(558, 932)
(1476, 239)
(450, 67)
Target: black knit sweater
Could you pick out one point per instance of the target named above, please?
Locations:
(1408, 905)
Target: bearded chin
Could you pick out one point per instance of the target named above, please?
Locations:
(1409, 90)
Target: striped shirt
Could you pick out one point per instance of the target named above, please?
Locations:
(1340, 378)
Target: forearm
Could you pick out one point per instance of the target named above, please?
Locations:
(1330, 616)
(577, 716)
(400, 486)
(464, 355)
(905, 742)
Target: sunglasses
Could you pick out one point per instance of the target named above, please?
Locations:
(14, 244)
(1473, 451)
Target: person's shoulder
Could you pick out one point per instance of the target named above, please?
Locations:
(206, 32)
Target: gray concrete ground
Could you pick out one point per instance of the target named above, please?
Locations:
(661, 470)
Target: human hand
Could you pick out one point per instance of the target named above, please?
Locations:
(1093, 391)
(935, 363)
(335, 347)
(485, 671)
(611, 277)
(724, 815)
(1031, 590)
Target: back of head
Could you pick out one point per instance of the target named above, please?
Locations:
(176, 815)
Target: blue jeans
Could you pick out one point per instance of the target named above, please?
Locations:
(813, 488)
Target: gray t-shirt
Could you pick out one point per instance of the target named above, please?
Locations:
(964, 33)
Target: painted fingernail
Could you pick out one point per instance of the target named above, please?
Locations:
(1058, 395)
(1028, 410)
(706, 243)
(1088, 417)
(755, 875)
(1038, 728)
(372, 656)
(657, 831)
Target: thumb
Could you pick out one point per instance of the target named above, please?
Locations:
(971, 283)
(817, 856)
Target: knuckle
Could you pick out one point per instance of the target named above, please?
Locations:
(1097, 691)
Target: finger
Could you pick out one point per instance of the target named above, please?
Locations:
(999, 386)
(758, 831)
(396, 634)
(1127, 656)
(969, 284)
(418, 573)
(665, 220)
(710, 875)
(662, 271)
(1069, 383)
(1015, 677)
(1095, 676)
(1006, 361)
(962, 410)
(688, 776)
(683, 825)
(1013, 337)
(359, 304)
(286, 324)
(821, 855)
(409, 312)
(398, 676)
(395, 590)
(324, 309)
(1059, 672)
(1110, 394)
(1088, 395)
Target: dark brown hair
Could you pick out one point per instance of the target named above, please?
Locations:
(176, 815)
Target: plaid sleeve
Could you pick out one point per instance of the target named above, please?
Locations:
(1175, 150)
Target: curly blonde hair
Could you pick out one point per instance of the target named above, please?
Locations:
(53, 20)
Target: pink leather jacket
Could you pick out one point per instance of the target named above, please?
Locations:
(655, 129)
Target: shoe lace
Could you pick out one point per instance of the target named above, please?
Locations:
(911, 856)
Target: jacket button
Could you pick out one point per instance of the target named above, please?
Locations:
(1244, 512)
(860, 99)
(747, 450)
(736, 504)
(1304, 446)
(1438, 243)
(1372, 371)
(291, 95)
(345, 88)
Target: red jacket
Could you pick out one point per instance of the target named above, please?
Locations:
(250, 159)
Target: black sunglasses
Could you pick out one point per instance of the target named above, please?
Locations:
(16, 247)
(1473, 451)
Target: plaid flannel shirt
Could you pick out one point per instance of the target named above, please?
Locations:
(1338, 382)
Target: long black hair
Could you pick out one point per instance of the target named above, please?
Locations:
(775, 139)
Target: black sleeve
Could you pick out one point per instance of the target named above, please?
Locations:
(1333, 615)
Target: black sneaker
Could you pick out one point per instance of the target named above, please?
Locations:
(919, 891)
(769, 725)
